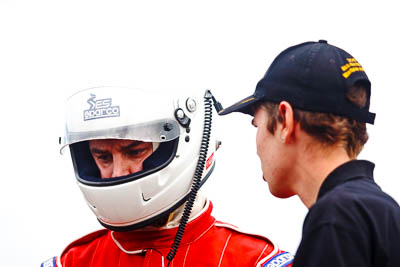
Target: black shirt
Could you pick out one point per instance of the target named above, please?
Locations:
(353, 222)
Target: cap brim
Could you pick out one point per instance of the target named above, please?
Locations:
(243, 106)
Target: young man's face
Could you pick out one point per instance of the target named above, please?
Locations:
(271, 151)
(115, 157)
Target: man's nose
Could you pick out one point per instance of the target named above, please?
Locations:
(123, 167)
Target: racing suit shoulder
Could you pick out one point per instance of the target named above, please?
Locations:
(83, 243)
(86, 240)
(263, 249)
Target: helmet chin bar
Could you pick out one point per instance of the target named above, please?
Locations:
(156, 218)
(146, 222)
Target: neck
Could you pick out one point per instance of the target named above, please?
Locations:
(315, 168)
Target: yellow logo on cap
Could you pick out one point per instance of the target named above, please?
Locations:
(351, 67)
(246, 100)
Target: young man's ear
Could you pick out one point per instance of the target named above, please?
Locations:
(288, 122)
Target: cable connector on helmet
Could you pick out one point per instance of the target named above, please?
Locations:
(217, 105)
(182, 118)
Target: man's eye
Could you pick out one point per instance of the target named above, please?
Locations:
(104, 157)
(135, 152)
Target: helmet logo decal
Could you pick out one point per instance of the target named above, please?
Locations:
(100, 108)
(145, 199)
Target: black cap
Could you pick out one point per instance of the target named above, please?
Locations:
(312, 76)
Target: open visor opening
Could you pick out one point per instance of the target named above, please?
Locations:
(87, 172)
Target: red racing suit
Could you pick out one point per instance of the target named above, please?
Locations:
(206, 242)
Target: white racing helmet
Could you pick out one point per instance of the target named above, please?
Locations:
(179, 127)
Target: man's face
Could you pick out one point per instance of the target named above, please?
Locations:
(271, 151)
(115, 157)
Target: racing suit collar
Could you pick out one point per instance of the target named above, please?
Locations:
(163, 237)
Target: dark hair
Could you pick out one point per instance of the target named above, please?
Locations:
(329, 129)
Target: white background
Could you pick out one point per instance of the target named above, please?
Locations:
(50, 49)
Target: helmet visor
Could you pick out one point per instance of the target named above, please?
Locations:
(156, 131)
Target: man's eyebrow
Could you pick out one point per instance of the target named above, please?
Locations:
(95, 150)
(131, 145)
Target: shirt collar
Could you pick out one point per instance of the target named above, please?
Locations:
(345, 172)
